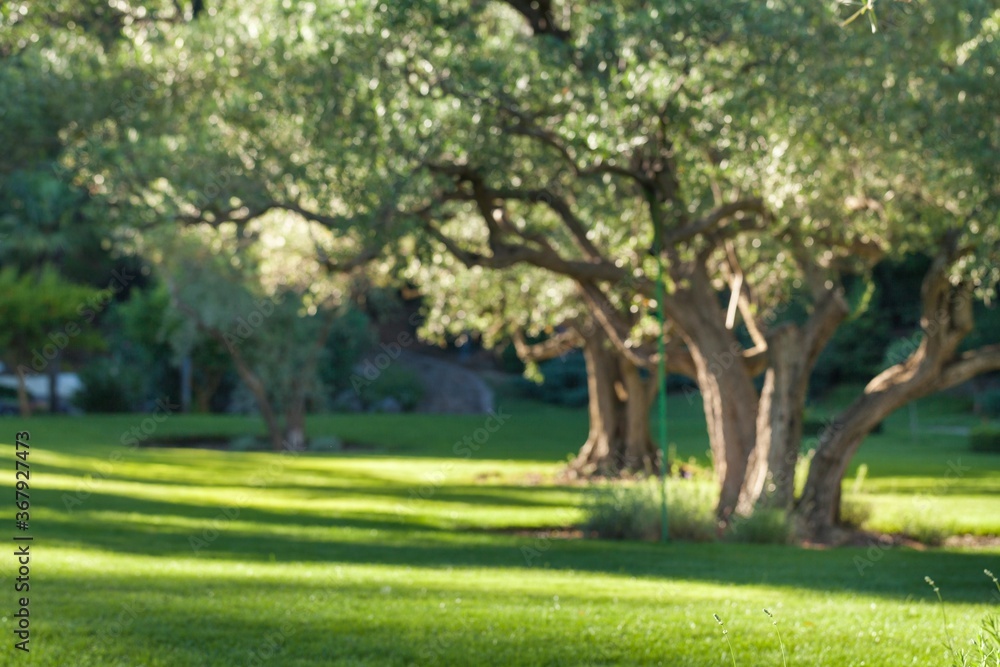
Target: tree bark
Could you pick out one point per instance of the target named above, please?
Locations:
(770, 477)
(726, 383)
(295, 422)
(23, 400)
(618, 406)
(730, 404)
(205, 390)
(946, 320)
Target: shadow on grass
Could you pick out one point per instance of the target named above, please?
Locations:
(373, 539)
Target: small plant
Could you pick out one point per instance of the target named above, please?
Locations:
(762, 527)
(622, 512)
(944, 615)
(690, 510)
(725, 634)
(633, 512)
(987, 644)
(923, 529)
(985, 438)
(855, 512)
(777, 631)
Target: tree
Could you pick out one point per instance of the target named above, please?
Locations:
(243, 290)
(43, 315)
(756, 187)
(595, 143)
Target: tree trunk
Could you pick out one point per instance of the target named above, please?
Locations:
(23, 400)
(619, 402)
(274, 430)
(295, 423)
(770, 477)
(946, 320)
(205, 390)
(726, 383)
(819, 507)
(730, 404)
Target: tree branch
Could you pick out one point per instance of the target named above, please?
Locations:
(556, 346)
(540, 17)
(712, 221)
(968, 365)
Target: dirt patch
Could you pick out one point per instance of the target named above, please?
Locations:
(865, 538)
(973, 541)
(548, 533)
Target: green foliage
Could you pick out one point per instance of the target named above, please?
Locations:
(633, 512)
(393, 382)
(622, 512)
(109, 387)
(44, 312)
(764, 526)
(564, 381)
(325, 443)
(855, 512)
(989, 403)
(247, 443)
(985, 438)
(136, 331)
(351, 335)
(926, 530)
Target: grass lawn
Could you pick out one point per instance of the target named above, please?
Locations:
(381, 556)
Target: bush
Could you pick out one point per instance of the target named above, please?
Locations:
(691, 511)
(985, 438)
(325, 443)
(854, 512)
(762, 527)
(989, 403)
(925, 531)
(564, 383)
(108, 387)
(247, 443)
(632, 512)
(350, 337)
(394, 382)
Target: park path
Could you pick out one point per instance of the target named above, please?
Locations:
(448, 387)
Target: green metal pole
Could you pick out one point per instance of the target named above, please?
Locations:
(660, 297)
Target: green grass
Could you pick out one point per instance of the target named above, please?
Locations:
(381, 557)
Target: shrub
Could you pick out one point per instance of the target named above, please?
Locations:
(985, 438)
(633, 512)
(564, 381)
(855, 512)
(764, 526)
(246, 443)
(691, 511)
(351, 335)
(394, 382)
(925, 531)
(325, 443)
(620, 512)
(108, 387)
(988, 403)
